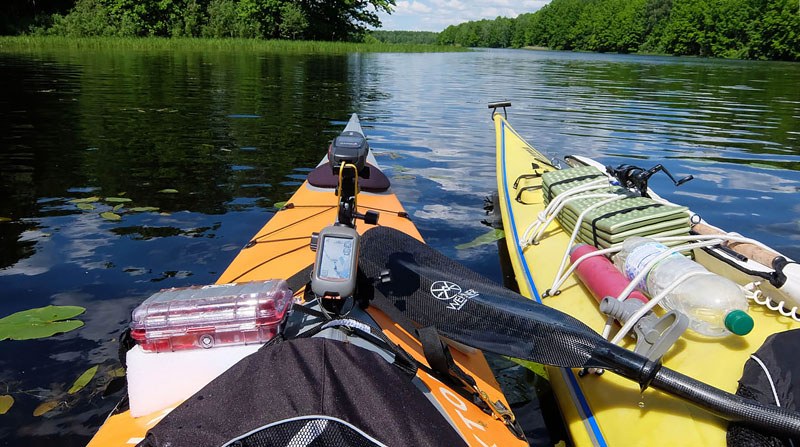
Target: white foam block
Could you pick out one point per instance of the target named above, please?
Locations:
(160, 380)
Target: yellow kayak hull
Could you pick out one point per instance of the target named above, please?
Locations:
(607, 410)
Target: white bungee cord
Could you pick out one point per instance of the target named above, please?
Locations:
(535, 238)
(546, 216)
(577, 228)
(753, 292)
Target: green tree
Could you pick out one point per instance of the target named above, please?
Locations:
(192, 19)
(448, 36)
(656, 16)
(412, 37)
(519, 35)
(321, 20)
(221, 19)
(776, 35)
(87, 18)
(293, 21)
(467, 34)
(343, 19)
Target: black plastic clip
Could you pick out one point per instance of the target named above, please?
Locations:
(496, 105)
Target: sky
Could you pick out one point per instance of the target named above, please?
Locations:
(436, 15)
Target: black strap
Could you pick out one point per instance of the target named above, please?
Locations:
(300, 278)
(614, 213)
(568, 180)
(438, 355)
(436, 352)
(309, 311)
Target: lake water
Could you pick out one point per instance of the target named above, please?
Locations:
(235, 133)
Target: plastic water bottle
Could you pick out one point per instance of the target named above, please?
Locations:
(715, 305)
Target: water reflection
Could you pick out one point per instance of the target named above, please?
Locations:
(214, 140)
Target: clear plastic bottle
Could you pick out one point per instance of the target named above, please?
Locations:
(715, 305)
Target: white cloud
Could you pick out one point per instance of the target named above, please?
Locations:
(412, 7)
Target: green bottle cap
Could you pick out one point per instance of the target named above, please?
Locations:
(738, 322)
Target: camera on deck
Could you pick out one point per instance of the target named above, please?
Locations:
(352, 148)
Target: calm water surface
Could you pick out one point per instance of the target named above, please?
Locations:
(235, 133)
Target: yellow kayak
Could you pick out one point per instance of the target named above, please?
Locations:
(608, 410)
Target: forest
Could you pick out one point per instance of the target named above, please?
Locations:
(744, 29)
(409, 37)
(332, 20)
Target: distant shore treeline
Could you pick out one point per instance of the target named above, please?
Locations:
(336, 20)
(747, 29)
(411, 37)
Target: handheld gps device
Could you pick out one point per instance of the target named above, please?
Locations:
(336, 264)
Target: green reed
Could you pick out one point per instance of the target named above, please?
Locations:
(25, 43)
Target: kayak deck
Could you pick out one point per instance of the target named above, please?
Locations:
(608, 409)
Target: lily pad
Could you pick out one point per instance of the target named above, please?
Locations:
(141, 209)
(82, 380)
(537, 368)
(6, 402)
(5, 219)
(110, 216)
(118, 207)
(169, 191)
(279, 205)
(85, 206)
(45, 407)
(85, 200)
(40, 322)
(117, 199)
(119, 372)
(483, 239)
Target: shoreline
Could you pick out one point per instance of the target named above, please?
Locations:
(27, 43)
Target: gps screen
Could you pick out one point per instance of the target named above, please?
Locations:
(337, 253)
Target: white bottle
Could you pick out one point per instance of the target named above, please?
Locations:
(715, 305)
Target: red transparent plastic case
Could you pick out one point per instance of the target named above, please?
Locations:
(210, 316)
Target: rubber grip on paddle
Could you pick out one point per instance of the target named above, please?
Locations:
(726, 405)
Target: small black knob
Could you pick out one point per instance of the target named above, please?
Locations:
(314, 241)
(371, 217)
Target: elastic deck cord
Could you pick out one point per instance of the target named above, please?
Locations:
(269, 260)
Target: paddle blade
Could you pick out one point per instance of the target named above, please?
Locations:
(433, 290)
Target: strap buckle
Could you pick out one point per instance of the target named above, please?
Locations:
(501, 413)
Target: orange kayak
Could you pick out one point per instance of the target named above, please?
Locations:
(282, 248)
